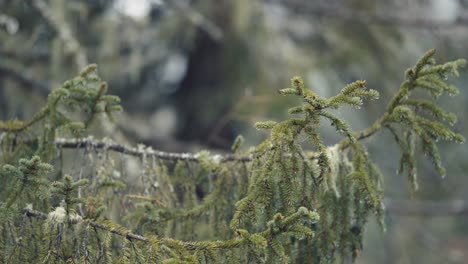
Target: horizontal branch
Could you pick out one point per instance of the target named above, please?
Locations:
(394, 207)
(129, 235)
(142, 151)
(189, 245)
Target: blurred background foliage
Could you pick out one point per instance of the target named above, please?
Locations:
(194, 74)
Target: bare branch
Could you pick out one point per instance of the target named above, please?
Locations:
(91, 143)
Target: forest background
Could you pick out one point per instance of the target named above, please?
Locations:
(193, 75)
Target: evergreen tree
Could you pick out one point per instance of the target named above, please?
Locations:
(291, 199)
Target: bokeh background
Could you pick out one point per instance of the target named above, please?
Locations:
(193, 74)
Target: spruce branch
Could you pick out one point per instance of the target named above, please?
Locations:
(324, 197)
(428, 76)
(28, 179)
(86, 90)
(243, 236)
(67, 188)
(425, 68)
(351, 94)
(426, 71)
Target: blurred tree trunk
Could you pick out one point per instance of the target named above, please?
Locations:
(217, 71)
